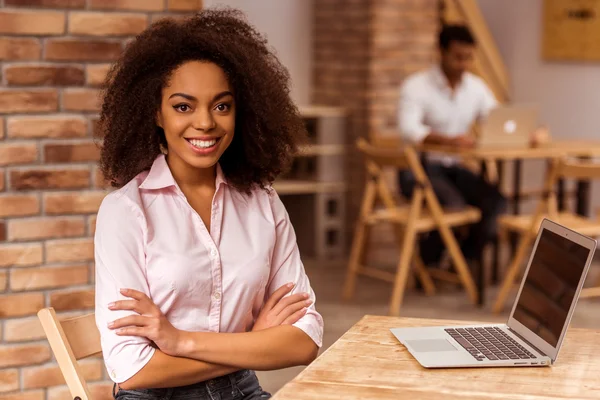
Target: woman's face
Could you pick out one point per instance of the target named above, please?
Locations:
(197, 113)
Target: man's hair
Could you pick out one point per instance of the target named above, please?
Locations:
(455, 33)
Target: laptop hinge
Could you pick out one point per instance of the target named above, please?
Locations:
(527, 341)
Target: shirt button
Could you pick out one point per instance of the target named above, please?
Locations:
(217, 295)
(113, 374)
(213, 252)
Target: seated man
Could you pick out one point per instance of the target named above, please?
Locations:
(439, 106)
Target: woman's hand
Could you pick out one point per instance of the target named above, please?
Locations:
(282, 311)
(150, 323)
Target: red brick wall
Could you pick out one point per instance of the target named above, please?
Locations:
(54, 54)
(363, 50)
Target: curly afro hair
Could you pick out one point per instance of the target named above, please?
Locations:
(268, 125)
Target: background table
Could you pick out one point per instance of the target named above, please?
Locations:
(367, 362)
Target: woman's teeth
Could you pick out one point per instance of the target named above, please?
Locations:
(203, 144)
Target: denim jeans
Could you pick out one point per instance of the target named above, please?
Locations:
(241, 385)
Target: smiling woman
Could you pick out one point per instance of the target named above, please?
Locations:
(199, 280)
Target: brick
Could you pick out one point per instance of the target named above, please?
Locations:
(41, 75)
(82, 50)
(184, 5)
(48, 277)
(71, 152)
(72, 300)
(106, 24)
(50, 375)
(28, 395)
(13, 356)
(133, 5)
(46, 3)
(3, 281)
(97, 130)
(9, 380)
(96, 73)
(17, 205)
(23, 330)
(18, 153)
(28, 101)
(22, 49)
(20, 255)
(62, 251)
(20, 305)
(45, 228)
(73, 203)
(59, 126)
(26, 22)
(2, 231)
(81, 100)
(45, 178)
(92, 226)
(159, 16)
(99, 391)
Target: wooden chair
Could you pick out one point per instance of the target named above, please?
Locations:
(423, 214)
(71, 340)
(527, 226)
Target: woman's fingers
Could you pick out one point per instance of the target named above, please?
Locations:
(292, 308)
(286, 301)
(277, 296)
(130, 305)
(295, 317)
(132, 320)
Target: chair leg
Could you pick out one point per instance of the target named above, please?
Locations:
(423, 275)
(512, 271)
(356, 256)
(407, 248)
(459, 262)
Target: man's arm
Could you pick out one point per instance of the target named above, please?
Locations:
(274, 348)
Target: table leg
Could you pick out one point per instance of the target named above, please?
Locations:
(496, 243)
(583, 195)
(516, 202)
(560, 194)
(480, 264)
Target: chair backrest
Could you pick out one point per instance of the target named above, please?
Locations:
(71, 340)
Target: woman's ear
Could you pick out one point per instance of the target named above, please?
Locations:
(159, 120)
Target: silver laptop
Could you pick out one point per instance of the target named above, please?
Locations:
(508, 126)
(539, 319)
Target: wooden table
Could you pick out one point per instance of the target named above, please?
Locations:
(367, 362)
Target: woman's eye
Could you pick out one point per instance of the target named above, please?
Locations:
(182, 107)
(223, 107)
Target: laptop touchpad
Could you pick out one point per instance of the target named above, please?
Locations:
(427, 345)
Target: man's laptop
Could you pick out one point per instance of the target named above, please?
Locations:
(539, 319)
(508, 126)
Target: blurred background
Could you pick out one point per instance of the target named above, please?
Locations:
(347, 60)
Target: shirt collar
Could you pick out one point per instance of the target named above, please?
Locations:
(441, 80)
(160, 175)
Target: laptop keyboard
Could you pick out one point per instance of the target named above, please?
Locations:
(489, 343)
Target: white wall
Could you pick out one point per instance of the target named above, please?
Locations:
(287, 25)
(567, 92)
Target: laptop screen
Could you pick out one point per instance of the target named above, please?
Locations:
(550, 286)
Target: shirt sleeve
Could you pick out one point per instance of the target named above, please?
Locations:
(286, 267)
(411, 113)
(488, 100)
(120, 263)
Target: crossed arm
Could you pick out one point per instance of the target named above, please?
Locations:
(184, 358)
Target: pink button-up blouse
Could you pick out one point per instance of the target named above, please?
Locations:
(150, 239)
